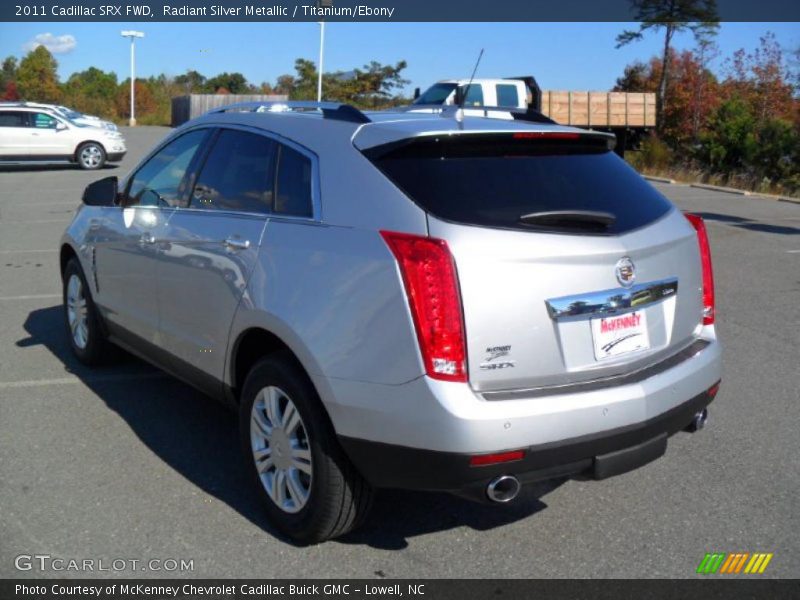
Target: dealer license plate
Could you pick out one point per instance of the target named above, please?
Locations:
(620, 334)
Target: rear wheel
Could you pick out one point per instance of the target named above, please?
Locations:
(81, 318)
(91, 156)
(309, 488)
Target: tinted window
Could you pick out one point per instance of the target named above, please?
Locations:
(160, 181)
(493, 180)
(10, 118)
(44, 121)
(293, 184)
(474, 95)
(507, 95)
(238, 174)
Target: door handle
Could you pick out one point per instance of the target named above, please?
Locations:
(147, 238)
(237, 244)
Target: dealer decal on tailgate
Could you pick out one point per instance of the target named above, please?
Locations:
(620, 334)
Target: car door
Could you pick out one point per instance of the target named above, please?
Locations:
(124, 238)
(46, 139)
(14, 134)
(210, 248)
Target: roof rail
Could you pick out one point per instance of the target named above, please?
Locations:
(330, 110)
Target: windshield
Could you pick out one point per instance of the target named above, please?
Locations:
(436, 94)
(494, 180)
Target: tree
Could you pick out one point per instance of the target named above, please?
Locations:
(763, 80)
(8, 72)
(92, 91)
(10, 92)
(638, 77)
(673, 16)
(145, 103)
(370, 87)
(37, 77)
(191, 82)
(234, 83)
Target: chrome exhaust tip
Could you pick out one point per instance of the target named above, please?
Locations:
(699, 421)
(503, 488)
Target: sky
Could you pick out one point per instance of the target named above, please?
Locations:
(578, 56)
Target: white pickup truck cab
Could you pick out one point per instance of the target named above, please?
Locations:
(504, 93)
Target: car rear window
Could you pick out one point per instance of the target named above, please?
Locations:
(492, 180)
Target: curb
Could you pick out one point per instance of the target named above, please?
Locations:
(778, 198)
(719, 188)
(659, 179)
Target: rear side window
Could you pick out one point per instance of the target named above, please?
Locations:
(238, 174)
(293, 184)
(507, 95)
(10, 118)
(44, 121)
(494, 180)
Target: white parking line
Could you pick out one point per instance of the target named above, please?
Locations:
(75, 379)
(31, 297)
(793, 252)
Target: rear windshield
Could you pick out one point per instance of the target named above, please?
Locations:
(494, 180)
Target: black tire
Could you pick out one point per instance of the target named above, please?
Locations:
(91, 156)
(339, 498)
(97, 349)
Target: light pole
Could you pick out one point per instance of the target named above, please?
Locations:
(321, 4)
(321, 51)
(133, 35)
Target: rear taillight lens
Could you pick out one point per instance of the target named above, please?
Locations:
(429, 276)
(708, 273)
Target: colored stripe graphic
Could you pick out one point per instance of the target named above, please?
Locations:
(758, 563)
(711, 562)
(734, 563)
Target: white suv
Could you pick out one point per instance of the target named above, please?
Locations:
(40, 135)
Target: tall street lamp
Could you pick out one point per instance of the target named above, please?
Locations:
(321, 4)
(133, 35)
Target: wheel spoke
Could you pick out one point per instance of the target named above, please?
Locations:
(279, 487)
(301, 460)
(296, 491)
(260, 425)
(273, 407)
(291, 419)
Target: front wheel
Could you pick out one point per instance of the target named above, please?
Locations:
(309, 488)
(81, 318)
(91, 156)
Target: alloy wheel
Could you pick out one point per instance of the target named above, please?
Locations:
(281, 450)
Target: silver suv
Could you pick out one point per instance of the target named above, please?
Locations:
(398, 300)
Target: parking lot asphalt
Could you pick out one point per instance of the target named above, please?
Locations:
(127, 463)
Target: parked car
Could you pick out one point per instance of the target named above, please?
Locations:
(402, 300)
(42, 136)
(68, 113)
(513, 93)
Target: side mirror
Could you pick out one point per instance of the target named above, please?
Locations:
(60, 126)
(101, 193)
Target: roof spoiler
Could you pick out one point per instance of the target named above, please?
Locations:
(330, 110)
(450, 111)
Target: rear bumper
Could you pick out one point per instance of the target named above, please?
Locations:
(598, 456)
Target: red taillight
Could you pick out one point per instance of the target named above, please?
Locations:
(708, 272)
(429, 275)
(712, 391)
(481, 460)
